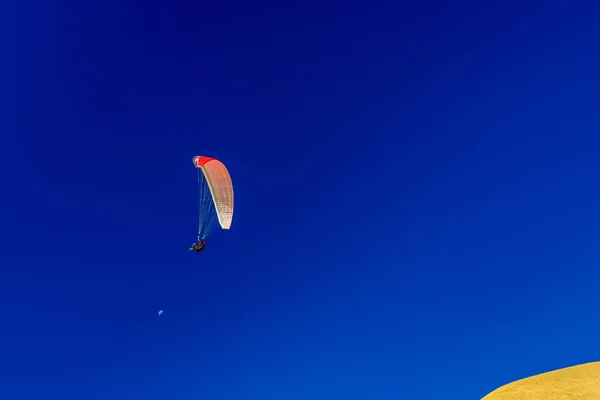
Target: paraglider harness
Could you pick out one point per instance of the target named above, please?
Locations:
(199, 245)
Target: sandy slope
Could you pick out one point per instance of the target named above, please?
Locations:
(581, 382)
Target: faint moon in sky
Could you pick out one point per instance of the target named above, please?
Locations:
(160, 312)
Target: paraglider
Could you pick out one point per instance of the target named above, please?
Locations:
(215, 198)
(198, 246)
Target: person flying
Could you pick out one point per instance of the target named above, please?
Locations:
(198, 246)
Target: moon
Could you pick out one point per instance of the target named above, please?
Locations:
(160, 312)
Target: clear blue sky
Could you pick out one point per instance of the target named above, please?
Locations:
(416, 184)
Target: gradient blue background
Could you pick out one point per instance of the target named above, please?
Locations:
(417, 198)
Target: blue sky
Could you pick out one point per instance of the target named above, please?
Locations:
(416, 198)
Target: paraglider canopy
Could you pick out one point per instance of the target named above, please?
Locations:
(215, 195)
(576, 382)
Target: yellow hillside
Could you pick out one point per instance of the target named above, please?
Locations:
(581, 382)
